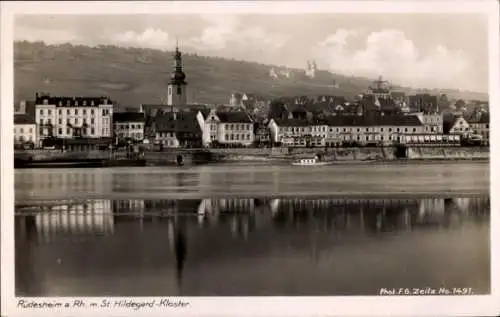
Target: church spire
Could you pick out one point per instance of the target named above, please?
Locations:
(178, 77)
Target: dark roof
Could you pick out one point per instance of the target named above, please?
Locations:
(292, 122)
(482, 118)
(23, 119)
(233, 117)
(373, 120)
(177, 122)
(398, 94)
(128, 117)
(74, 101)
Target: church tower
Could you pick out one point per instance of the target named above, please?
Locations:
(177, 87)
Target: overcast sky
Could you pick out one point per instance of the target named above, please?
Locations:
(420, 50)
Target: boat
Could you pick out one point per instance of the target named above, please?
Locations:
(309, 162)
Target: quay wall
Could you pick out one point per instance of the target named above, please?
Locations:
(201, 156)
(448, 153)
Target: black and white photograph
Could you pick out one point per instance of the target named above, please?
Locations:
(249, 158)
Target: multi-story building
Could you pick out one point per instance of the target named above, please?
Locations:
(290, 132)
(179, 129)
(228, 128)
(128, 126)
(433, 122)
(24, 130)
(461, 126)
(81, 118)
(480, 125)
(336, 130)
(262, 134)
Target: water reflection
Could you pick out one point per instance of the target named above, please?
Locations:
(188, 239)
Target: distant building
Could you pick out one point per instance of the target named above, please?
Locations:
(311, 69)
(380, 89)
(24, 130)
(129, 126)
(86, 121)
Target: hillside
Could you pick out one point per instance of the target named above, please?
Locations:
(133, 76)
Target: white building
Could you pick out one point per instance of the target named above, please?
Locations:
(229, 128)
(129, 125)
(73, 117)
(461, 126)
(24, 130)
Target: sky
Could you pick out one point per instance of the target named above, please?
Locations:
(420, 50)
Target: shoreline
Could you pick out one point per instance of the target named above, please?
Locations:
(291, 195)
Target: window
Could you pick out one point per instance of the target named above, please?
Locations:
(41, 112)
(179, 90)
(84, 102)
(60, 131)
(92, 111)
(21, 130)
(76, 120)
(84, 111)
(76, 111)
(91, 120)
(406, 129)
(45, 102)
(415, 129)
(397, 129)
(67, 131)
(60, 121)
(68, 112)
(390, 129)
(366, 129)
(49, 121)
(60, 112)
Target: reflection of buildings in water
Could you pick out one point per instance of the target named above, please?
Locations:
(462, 203)
(63, 180)
(431, 209)
(92, 217)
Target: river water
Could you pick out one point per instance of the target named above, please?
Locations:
(228, 230)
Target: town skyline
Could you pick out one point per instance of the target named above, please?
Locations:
(454, 56)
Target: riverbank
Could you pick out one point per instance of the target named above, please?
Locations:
(347, 155)
(188, 157)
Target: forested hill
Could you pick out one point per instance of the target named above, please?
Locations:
(133, 76)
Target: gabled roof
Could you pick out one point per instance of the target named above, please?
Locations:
(128, 117)
(177, 122)
(23, 119)
(233, 117)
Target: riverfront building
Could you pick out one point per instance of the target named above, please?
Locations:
(128, 126)
(24, 130)
(228, 128)
(86, 121)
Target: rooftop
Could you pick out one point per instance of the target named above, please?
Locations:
(23, 119)
(233, 117)
(128, 117)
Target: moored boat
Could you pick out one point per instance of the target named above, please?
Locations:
(309, 162)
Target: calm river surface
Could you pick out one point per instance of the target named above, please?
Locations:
(229, 230)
